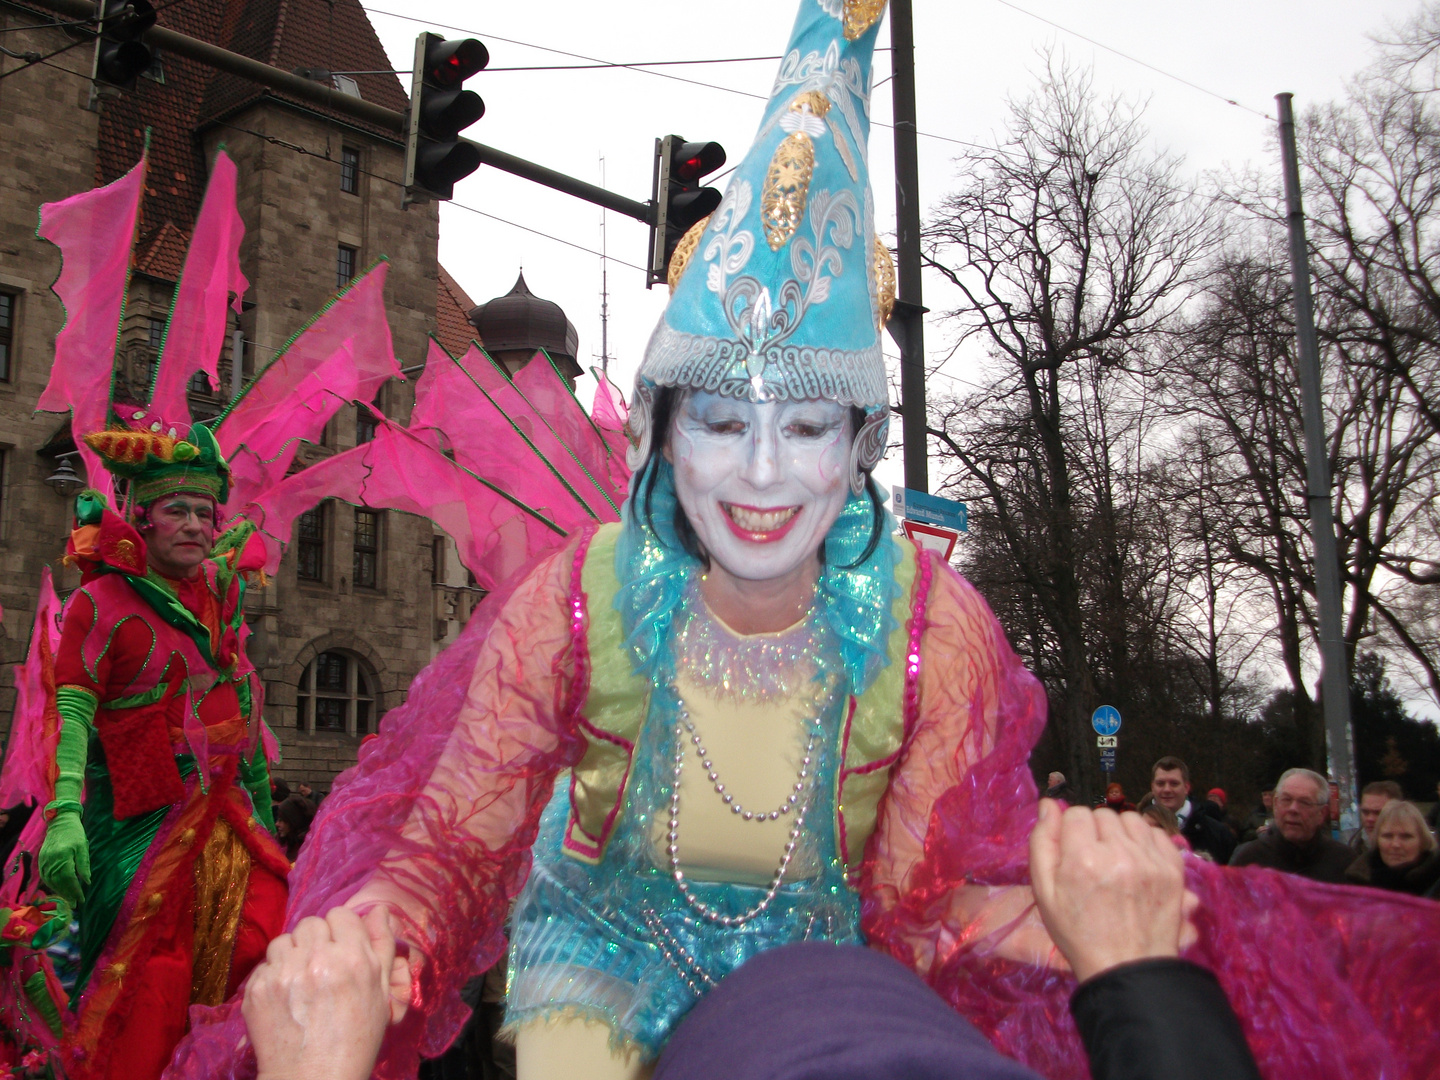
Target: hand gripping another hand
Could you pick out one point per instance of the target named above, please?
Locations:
(318, 1007)
(1110, 888)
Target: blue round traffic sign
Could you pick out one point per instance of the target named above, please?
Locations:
(1106, 720)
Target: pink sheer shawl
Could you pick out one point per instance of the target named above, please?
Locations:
(447, 802)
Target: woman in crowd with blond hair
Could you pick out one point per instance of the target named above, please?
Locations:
(1405, 856)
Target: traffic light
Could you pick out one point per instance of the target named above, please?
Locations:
(120, 55)
(679, 199)
(440, 109)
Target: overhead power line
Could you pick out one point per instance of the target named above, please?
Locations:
(1136, 60)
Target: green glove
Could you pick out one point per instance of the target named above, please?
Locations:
(255, 775)
(65, 854)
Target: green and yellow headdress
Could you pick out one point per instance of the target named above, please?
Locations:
(160, 463)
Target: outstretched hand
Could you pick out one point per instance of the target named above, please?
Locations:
(318, 1007)
(1110, 888)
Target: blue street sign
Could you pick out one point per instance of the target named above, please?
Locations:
(1107, 760)
(1106, 720)
(930, 509)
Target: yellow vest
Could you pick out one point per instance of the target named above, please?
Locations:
(619, 700)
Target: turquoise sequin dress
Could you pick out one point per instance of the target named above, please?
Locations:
(618, 941)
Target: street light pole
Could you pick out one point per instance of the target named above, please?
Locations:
(1335, 678)
(907, 322)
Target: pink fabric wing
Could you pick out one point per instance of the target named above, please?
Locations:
(95, 232)
(491, 719)
(454, 412)
(400, 471)
(195, 333)
(548, 395)
(345, 352)
(30, 750)
(540, 432)
(610, 415)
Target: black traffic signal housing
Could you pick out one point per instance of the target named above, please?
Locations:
(680, 200)
(120, 55)
(440, 108)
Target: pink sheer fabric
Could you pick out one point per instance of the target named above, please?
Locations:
(454, 410)
(438, 817)
(94, 231)
(196, 330)
(344, 353)
(1338, 982)
(446, 805)
(549, 397)
(30, 750)
(540, 431)
(398, 470)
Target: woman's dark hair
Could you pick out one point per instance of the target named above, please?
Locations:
(667, 399)
(297, 812)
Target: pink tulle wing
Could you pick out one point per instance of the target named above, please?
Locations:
(454, 409)
(1316, 973)
(30, 750)
(547, 394)
(94, 232)
(438, 817)
(346, 352)
(211, 275)
(540, 432)
(400, 471)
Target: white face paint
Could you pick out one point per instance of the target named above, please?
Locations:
(761, 484)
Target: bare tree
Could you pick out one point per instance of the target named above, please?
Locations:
(1072, 249)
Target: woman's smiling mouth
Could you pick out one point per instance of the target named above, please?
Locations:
(760, 525)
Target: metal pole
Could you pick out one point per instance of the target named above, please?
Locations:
(1335, 679)
(907, 324)
(386, 119)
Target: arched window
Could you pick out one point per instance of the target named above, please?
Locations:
(336, 694)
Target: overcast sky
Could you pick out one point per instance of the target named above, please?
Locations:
(971, 55)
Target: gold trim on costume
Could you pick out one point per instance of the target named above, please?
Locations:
(222, 874)
(684, 251)
(787, 182)
(860, 15)
(884, 281)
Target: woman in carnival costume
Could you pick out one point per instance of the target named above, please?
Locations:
(779, 721)
(169, 859)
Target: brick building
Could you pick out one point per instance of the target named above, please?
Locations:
(364, 598)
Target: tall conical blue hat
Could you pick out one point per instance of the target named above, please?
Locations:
(782, 293)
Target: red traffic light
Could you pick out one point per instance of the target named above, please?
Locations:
(449, 63)
(692, 160)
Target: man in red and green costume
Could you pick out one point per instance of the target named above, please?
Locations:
(160, 827)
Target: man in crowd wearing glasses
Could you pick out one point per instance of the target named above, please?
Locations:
(1298, 844)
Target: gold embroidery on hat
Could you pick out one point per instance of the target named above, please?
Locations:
(787, 182)
(884, 281)
(684, 251)
(860, 15)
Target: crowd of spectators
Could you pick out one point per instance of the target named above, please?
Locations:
(1394, 848)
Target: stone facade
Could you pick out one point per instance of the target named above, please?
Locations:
(331, 651)
(49, 141)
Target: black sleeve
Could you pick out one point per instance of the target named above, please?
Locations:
(1160, 1020)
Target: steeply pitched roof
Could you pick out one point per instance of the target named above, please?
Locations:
(452, 328)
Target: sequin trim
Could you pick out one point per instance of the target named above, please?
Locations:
(745, 667)
(580, 646)
(918, 625)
